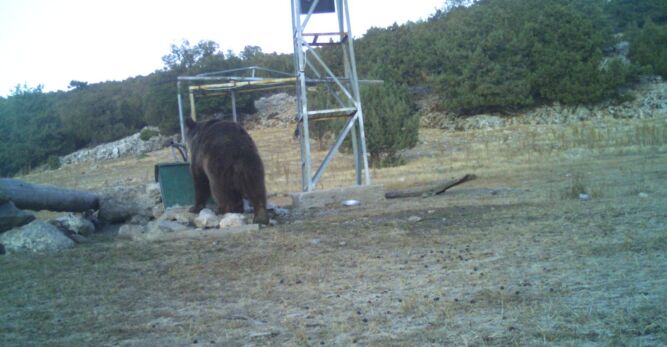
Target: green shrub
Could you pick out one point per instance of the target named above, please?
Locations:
(390, 122)
(53, 162)
(648, 46)
(147, 134)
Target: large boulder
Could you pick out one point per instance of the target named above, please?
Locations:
(12, 217)
(37, 236)
(121, 203)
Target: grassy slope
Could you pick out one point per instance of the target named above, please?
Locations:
(513, 258)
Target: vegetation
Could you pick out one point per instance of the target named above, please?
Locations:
(499, 55)
(390, 122)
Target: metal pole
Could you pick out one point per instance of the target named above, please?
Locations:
(234, 106)
(193, 111)
(300, 70)
(357, 94)
(348, 73)
(180, 111)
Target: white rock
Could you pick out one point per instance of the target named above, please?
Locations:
(73, 224)
(207, 219)
(37, 236)
(232, 220)
(643, 195)
(584, 197)
(131, 231)
(414, 219)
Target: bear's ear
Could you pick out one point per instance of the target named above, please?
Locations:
(190, 123)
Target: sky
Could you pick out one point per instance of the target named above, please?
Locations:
(52, 42)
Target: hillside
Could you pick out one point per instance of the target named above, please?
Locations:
(489, 57)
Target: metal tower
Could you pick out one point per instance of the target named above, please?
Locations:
(310, 68)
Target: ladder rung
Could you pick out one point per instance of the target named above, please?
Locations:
(333, 113)
(339, 38)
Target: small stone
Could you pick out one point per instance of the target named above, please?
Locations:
(315, 242)
(158, 211)
(430, 211)
(584, 197)
(342, 243)
(643, 195)
(131, 231)
(231, 220)
(206, 219)
(414, 219)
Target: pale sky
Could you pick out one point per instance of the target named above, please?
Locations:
(52, 42)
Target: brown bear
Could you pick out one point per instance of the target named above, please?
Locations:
(225, 162)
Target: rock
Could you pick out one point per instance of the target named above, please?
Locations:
(131, 231)
(158, 211)
(414, 219)
(584, 197)
(275, 110)
(179, 214)
(207, 219)
(12, 217)
(73, 224)
(643, 195)
(153, 191)
(315, 242)
(165, 226)
(118, 204)
(38, 236)
(131, 145)
(78, 238)
(232, 220)
(139, 219)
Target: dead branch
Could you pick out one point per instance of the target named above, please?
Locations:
(429, 190)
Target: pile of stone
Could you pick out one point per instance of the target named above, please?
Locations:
(177, 223)
(131, 145)
(649, 101)
(47, 236)
(275, 111)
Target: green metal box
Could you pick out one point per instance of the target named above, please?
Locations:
(175, 184)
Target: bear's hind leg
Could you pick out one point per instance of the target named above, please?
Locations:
(202, 191)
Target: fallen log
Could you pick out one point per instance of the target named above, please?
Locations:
(38, 197)
(429, 190)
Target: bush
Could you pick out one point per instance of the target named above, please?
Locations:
(53, 162)
(390, 122)
(147, 134)
(648, 47)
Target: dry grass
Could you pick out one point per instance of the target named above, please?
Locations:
(511, 259)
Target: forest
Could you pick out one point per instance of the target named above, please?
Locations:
(484, 56)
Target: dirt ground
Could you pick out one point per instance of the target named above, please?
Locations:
(517, 257)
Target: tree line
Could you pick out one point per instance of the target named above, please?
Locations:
(486, 55)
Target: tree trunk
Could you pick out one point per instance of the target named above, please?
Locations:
(38, 197)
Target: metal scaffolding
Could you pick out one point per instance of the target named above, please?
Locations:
(309, 67)
(230, 82)
(310, 70)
